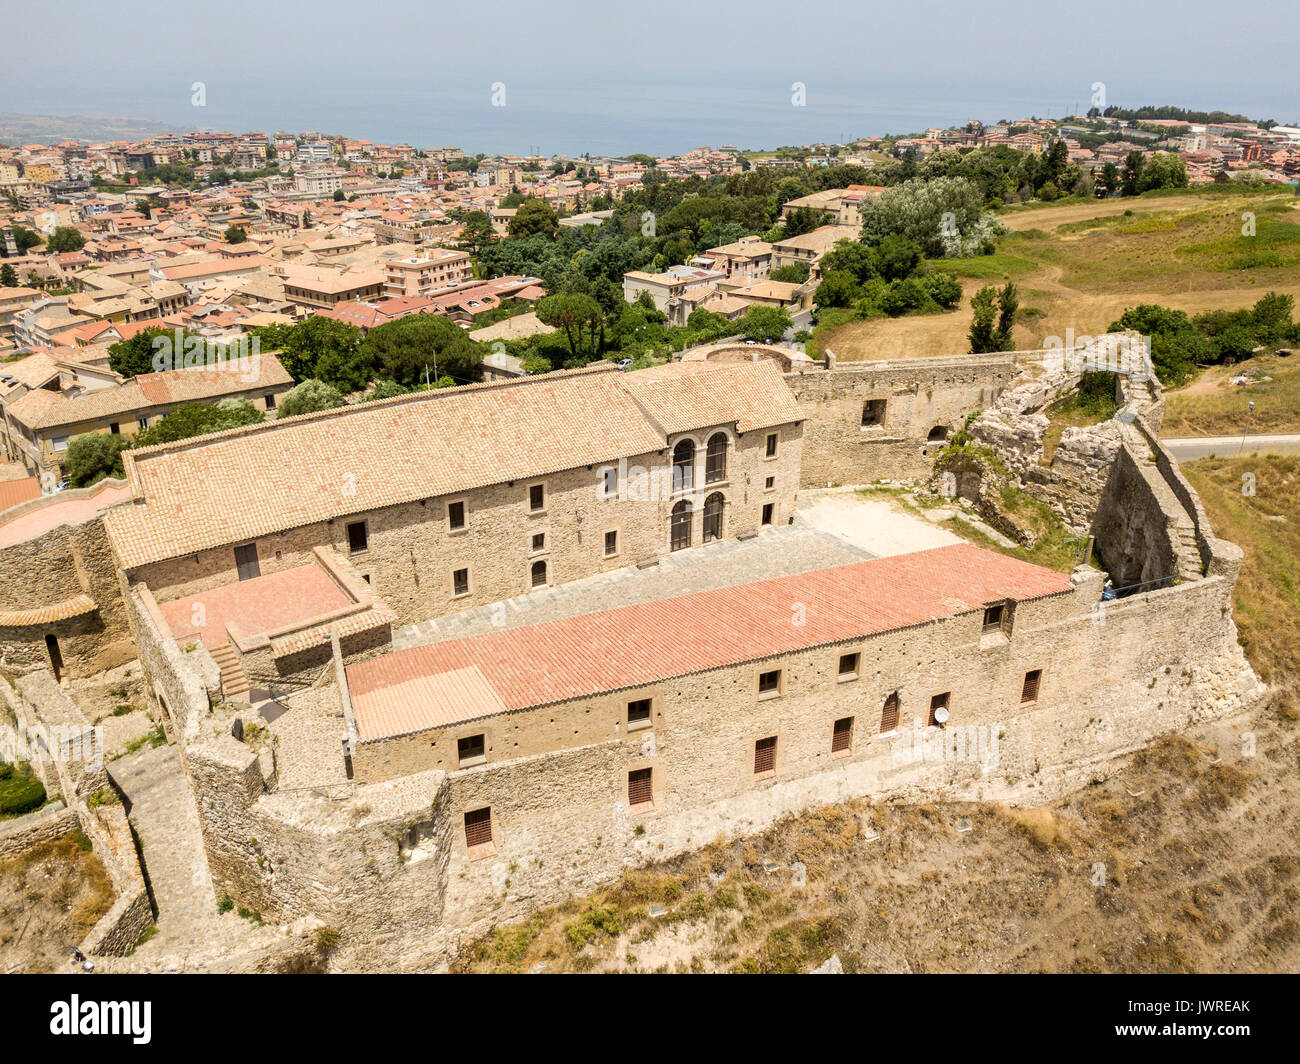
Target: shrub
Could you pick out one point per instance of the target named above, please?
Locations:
(20, 793)
(308, 397)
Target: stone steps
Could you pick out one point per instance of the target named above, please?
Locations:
(234, 683)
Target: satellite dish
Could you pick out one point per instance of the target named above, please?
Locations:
(941, 715)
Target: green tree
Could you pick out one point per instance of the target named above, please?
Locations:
(319, 347)
(838, 288)
(422, 345)
(476, 232)
(25, 239)
(581, 320)
(764, 324)
(8, 276)
(795, 273)
(943, 288)
(65, 238)
(199, 419)
(534, 216)
(152, 350)
(307, 398)
(235, 234)
(983, 328)
(1008, 308)
(1131, 177)
(1163, 170)
(339, 195)
(94, 456)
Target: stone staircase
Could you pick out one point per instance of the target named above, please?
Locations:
(234, 684)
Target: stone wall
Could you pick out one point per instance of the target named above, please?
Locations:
(914, 397)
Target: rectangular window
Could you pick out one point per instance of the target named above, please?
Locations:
(842, 735)
(358, 537)
(455, 515)
(611, 543)
(769, 483)
(640, 787)
(889, 715)
(938, 703)
(609, 478)
(771, 445)
(765, 755)
(993, 617)
(769, 684)
(115, 428)
(471, 750)
(1029, 692)
(270, 402)
(849, 666)
(478, 828)
(768, 510)
(537, 497)
(638, 711)
(460, 582)
(538, 542)
(59, 443)
(142, 422)
(873, 412)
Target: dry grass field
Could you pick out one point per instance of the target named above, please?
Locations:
(1080, 266)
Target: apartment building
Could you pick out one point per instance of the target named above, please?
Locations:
(670, 290)
(431, 270)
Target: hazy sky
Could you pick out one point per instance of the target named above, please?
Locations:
(598, 76)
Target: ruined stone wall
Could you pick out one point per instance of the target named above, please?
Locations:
(56, 567)
(412, 553)
(919, 395)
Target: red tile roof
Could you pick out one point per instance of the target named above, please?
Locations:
(433, 686)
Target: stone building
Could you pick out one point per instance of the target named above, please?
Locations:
(445, 500)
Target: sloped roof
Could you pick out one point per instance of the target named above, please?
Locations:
(443, 683)
(236, 485)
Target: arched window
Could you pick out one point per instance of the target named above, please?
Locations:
(539, 574)
(715, 465)
(684, 465)
(681, 525)
(713, 516)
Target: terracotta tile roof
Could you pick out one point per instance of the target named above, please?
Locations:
(59, 611)
(237, 485)
(430, 686)
(13, 492)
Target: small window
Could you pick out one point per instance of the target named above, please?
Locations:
(769, 483)
(478, 828)
(769, 684)
(640, 787)
(771, 445)
(456, 515)
(460, 582)
(842, 735)
(538, 541)
(609, 479)
(115, 428)
(538, 574)
(889, 715)
(537, 497)
(358, 537)
(1029, 692)
(638, 711)
(937, 703)
(471, 750)
(270, 402)
(873, 412)
(611, 543)
(993, 617)
(765, 755)
(59, 443)
(849, 666)
(768, 510)
(142, 422)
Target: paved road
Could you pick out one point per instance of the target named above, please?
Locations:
(1189, 448)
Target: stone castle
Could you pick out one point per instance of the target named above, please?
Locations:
(433, 662)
